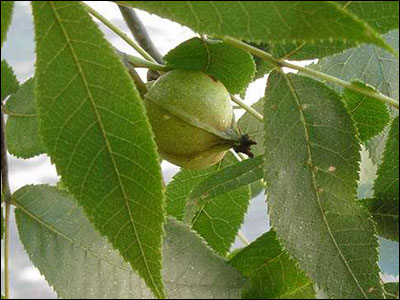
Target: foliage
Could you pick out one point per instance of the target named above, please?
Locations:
(112, 228)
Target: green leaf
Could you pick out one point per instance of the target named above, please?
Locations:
(387, 184)
(266, 21)
(384, 207)
(9, 83)
(271, 273)
(392, 290)
(218, 221)
(368, 64)
(376, 146)
(223, 181)
(380, 15)
(22, 131)
(262, 66)
(232, 66)
(6, 14)
(370, 115)
(94, 128)
(80, 264)
(251, 126)
(312, 163)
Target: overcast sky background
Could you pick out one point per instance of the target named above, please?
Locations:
(26, 281)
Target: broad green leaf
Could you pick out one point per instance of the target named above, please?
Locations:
(218, 221)
(251, 126)
(94, 128)
(9, 83)
(384, 207)
(392, 290)
(312, 163)
(6, 14)
(266, 21)
(380, 15)
(232, 66)
(370, 115)
(368, 64)
(223, 181)
(80, 264)
(386, 216)
(271, 273)
(387, 184)
(22, 131)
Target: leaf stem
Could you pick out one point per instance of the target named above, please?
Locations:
(5, 186)
(282, 63)
(243, 239)
(119, 32)
(141, 63)
(248, 108)
(140, 33)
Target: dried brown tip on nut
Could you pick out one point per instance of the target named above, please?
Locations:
(244, 145)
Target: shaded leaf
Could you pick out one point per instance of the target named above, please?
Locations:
(370, 115)
(23, 139)
(232, 66)
(271, 273)
(223, 181)
(380, 15)
(312, 163)
(79, 263)
(9, 83)
(6, 14)
(218, 222)
(254, 128)
(392, 290)
(368, 64)
(94, 128)
(384, 207)
(266, 21)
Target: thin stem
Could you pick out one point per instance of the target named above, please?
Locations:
(243, 238)
(251, 110)
(121, 34)
(281, 63)
(5, 185)
(140, 33)
(141, 63)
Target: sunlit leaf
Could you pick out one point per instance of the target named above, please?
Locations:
(94, 128)
(6, 14)
(233, 67)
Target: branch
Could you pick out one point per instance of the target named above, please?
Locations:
(282, 63)
(140, 33)
(5, 186)
(248, 108)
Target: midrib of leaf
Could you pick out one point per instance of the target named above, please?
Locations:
(64, 236)
(294, 292)
(108, 146)
(315, 186)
